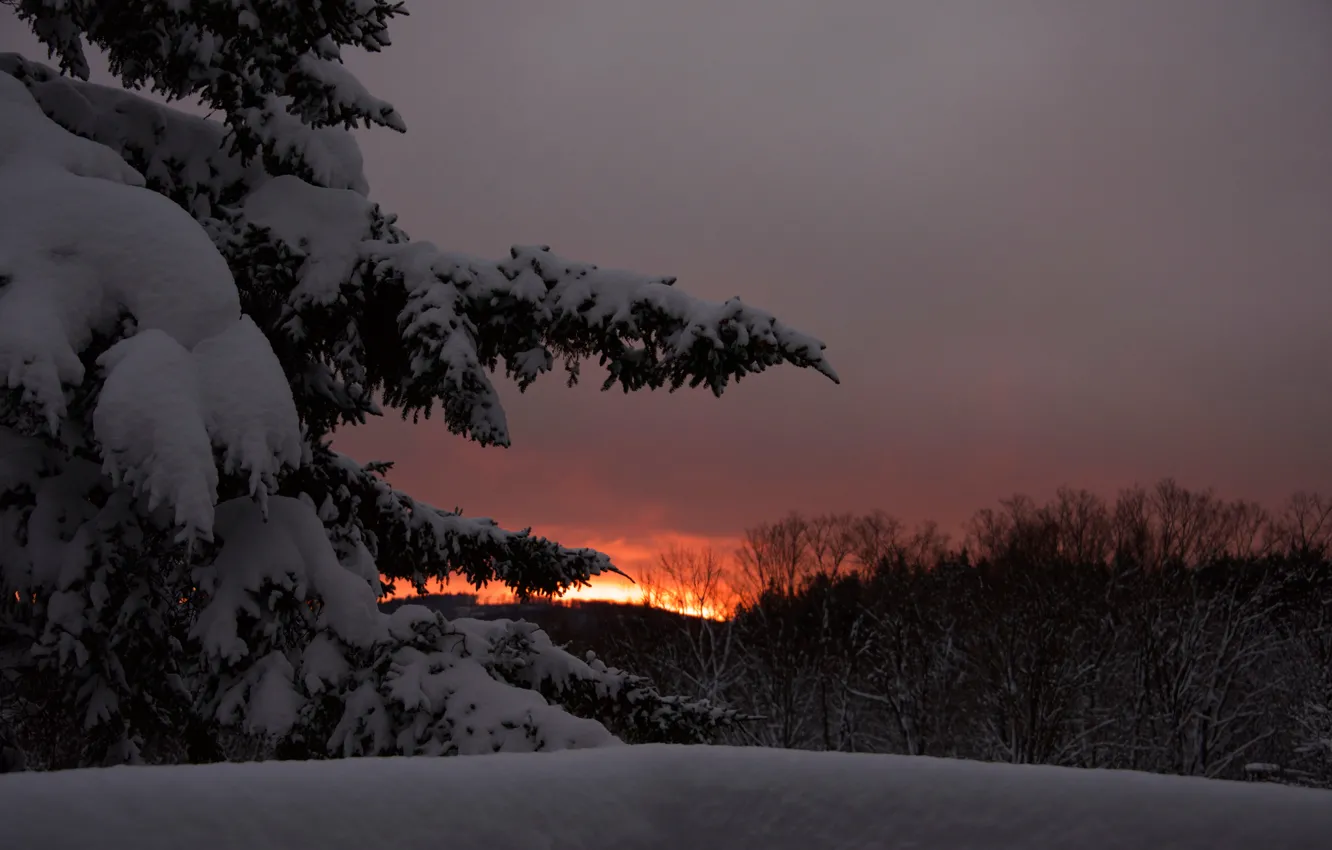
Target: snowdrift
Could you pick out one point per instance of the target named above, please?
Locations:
(636, 798)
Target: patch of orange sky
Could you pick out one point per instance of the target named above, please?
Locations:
(634, 555)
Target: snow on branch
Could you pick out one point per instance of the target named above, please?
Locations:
(463, 316)
(644, 331)
(414, 542)
(186, 157)
(224, 53)
(87, 254)
(459, 316)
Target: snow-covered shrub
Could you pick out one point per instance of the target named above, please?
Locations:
(188, 309)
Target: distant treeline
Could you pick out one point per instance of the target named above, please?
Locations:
(1168, 631)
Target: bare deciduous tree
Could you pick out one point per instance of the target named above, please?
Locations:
(700, 655)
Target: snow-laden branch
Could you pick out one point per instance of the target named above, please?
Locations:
(357, 277)
(459, 316)
(414, 542)
(225, 54)
(87, 253)
(186, 157)
(535, 305)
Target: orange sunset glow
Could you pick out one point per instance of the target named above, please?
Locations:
(637, 557)
(1027, 274)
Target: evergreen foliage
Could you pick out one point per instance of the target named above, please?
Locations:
(190, 308)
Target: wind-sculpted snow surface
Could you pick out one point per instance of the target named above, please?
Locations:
(653, 798)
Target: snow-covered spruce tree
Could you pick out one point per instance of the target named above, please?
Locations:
(188, 309)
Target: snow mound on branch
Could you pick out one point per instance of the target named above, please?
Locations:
(150, 422)
(248, 408)
(448, 687)
(330, 153)
(76, 253)
(90, 247)
(82, 257)
(653, 798)
(187, 152)
(343, 94)
(327, 225)
(288, 548)
(163, 408)
(28, 138)
(184, 156)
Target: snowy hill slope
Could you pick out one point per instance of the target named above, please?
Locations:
(641, 798)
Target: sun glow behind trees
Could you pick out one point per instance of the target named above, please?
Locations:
(640, 557)
(708, 576)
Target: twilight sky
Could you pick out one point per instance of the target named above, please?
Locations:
(1046, 241)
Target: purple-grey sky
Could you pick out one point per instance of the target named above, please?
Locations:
(1046, 241)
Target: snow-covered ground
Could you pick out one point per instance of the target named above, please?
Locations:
(634, 798)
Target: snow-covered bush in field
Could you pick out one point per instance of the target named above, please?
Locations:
(188, 309)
